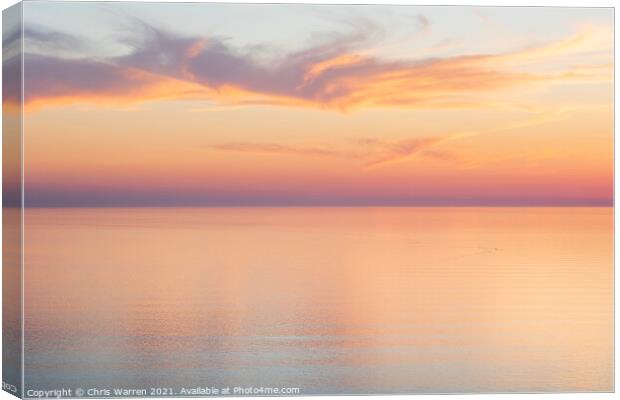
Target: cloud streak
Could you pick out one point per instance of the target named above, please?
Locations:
(374, 153)
(336, 73)
(271, 148)
(370, 153)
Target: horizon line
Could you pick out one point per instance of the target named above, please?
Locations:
(533, 205)
(231, 202)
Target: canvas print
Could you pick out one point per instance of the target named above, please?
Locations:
(204, 199)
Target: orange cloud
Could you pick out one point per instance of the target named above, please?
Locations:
(335, 75)
(375, 153)
(372, 153)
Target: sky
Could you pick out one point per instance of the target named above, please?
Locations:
(130, 104)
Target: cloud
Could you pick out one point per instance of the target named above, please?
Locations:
(370, 152)
(373, 153)
(424, 22)
(440, 155)
(270, 148)
(334, 73)
(391, 152)
(40, 40)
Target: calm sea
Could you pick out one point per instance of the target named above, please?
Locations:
(329, 300)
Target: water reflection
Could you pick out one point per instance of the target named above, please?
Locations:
(331, 300)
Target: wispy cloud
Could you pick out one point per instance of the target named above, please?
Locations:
(373, 153)
(271, 148)
(369, 152)
(394, 152)
(335, 73)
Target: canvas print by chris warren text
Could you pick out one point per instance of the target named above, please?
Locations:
(298, 199)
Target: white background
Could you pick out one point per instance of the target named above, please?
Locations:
(574, 3)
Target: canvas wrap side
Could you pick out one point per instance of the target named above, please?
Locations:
(12, 210)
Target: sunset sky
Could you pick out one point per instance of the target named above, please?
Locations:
(223, 104)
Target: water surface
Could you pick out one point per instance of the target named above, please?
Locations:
(330, 300)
